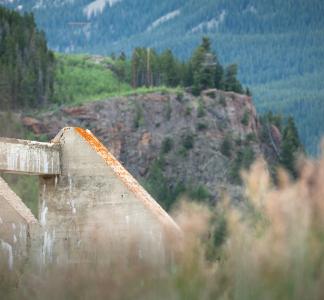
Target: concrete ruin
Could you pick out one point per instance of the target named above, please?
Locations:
(86, 197)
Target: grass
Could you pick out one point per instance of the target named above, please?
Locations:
(80, 79)
(269, 246)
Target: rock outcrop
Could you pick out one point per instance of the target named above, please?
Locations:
(195, 141)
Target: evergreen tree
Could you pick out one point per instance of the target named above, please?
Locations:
(231, 83)
(207, 73)
(169, 69)
(290, 147)
(26, 64)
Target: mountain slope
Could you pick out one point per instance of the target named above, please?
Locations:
(276, 43)
(173, 143)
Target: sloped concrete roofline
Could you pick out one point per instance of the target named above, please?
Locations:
(128, 180)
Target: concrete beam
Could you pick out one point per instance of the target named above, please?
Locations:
(27, 157)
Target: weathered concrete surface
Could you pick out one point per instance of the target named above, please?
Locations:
(27, 157)
(96, 204)
(88, 204)
(16, 222)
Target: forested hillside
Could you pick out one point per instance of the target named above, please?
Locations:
(278, 45)
(199, 98)
(26, 65)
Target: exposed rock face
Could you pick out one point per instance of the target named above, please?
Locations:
(187, 132)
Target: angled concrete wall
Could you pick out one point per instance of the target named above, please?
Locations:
(95, 202)
(16, 226)
(88, 203)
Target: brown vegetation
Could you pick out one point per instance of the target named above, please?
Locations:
(269, 247)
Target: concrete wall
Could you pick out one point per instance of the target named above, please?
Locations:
(88, 204)
(95, 203)
(27, 157)
(16, 222)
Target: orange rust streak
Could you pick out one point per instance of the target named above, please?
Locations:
(125, 176)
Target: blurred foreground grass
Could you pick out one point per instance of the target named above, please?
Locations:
(270, 246)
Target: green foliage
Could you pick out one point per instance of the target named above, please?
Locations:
(167, 145)
(246, 118)
(201, 108)
(300, 97)
(188, 141)
(201, 71)
(226, 146)
(248, 92)
(243, 160)
(251, 137)
(207, 72)
(78, 78)
(199, 193)
(139, 117)
(211, 94)
(231, 83)
(26, 64)
(188, 110)
(168, 111)
(165, 190)
(290, 147)
(26, 187)
(152, 69)
(179, 96)
(202, 126)
(279, 45)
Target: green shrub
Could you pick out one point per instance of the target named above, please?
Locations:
(139, 117)
(199, 193)
(201, 109)
(202, 126)
(188, 141)
(179, 96)
(226, 146)
(163, 189)
(243, 160)
(246, 118)
(238, 141)
(251, 137)
(248, 157)
(167, 145)
(182, 152)
(188, 110)
(168, 111)
(211, 95)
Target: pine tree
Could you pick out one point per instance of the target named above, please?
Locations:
(231, 82)
(290, 147)
(135, 67)
(26, 61)
(207, 72)
(169, 69)
(202, 65)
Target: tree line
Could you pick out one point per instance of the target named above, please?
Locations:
(201, 71)
(26, 64)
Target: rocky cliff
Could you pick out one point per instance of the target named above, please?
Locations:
(172, 143)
